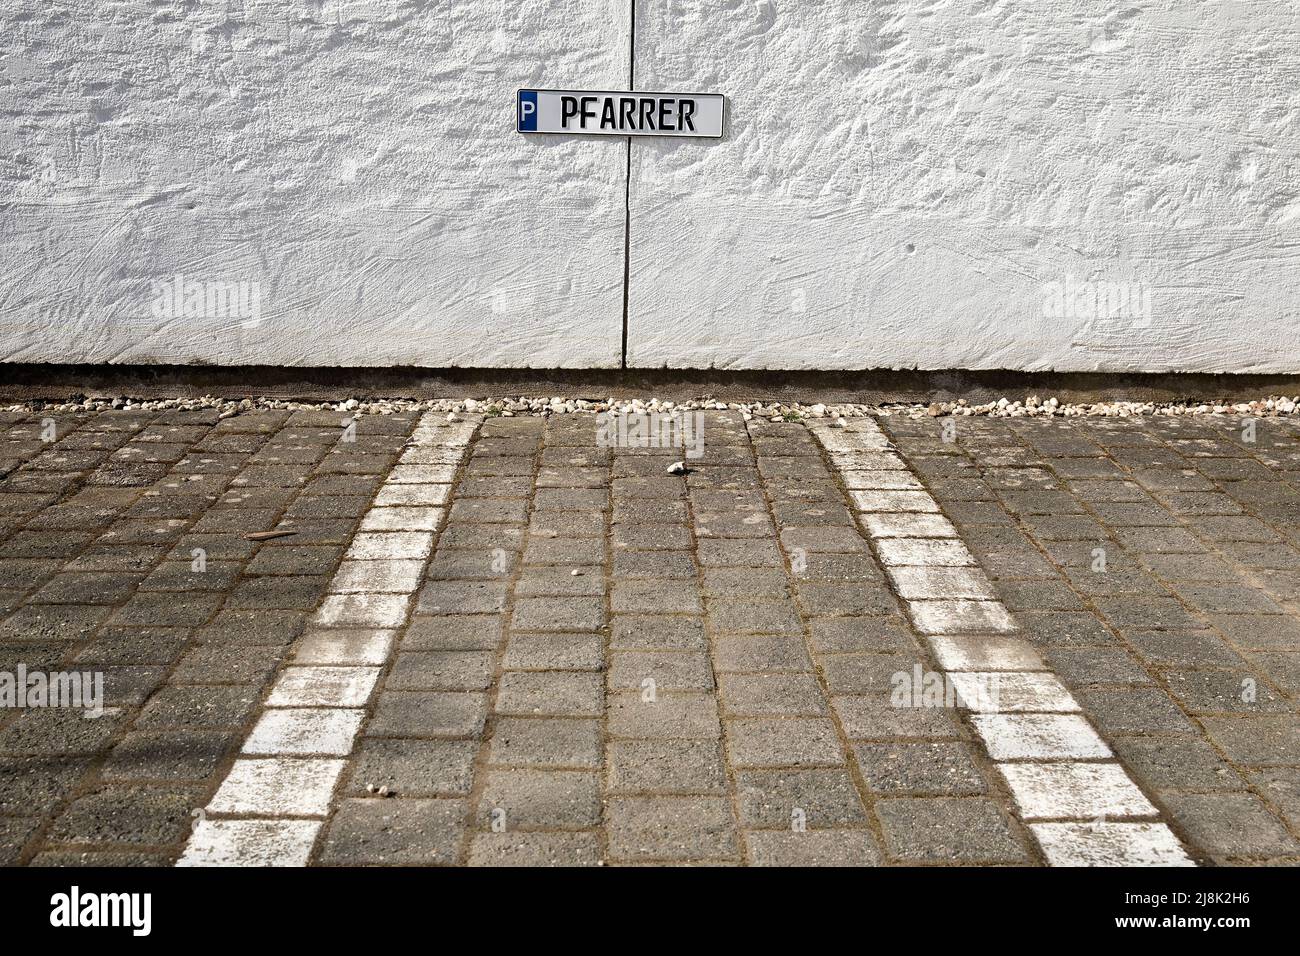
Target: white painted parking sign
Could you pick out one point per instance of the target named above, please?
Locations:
(620, 114)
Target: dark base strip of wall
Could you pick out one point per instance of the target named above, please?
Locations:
(33, 381)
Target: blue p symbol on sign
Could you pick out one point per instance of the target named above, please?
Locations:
(528, 111)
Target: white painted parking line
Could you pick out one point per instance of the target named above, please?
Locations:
(421, 474)
(294, 754)
(930, 584)
(1070, 791)
(1019, 709)
(868, 461)
(893, 501)
(401, 518)
(393, 576)
(381, 546)
(425, 495)
(1039, 737)
(961, 617)
(983, 652)
(881, 481)
(923, 553)
(1110, 844)
(315, 731)
(1014, 692)
(430, 455)
(362, 610)
(250, 843)
(338, 646)
(323, 687)
(902, 525)
(278, 787)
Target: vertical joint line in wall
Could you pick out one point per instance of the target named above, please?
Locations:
(627, 182)
(627, 245)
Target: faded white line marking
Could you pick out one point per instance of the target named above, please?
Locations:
(1020, 710)
(1014, 692)
(278, 787)
(1109, 844)
(1069, 791)
(311, 718)
(250, 843)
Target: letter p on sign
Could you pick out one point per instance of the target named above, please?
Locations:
(527, 111)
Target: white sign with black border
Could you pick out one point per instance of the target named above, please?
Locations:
(620, 114)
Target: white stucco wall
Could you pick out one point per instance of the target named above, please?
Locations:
(902, 184)
(356, 158)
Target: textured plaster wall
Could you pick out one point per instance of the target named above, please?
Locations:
(357, 159)
(904, 183)
(904, 180)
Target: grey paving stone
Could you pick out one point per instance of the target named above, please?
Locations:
(14, 834)
(526, 799)
(1258, 631)
(669, 670)
(35, 784)
(378, 831)
(1281, 787)
(1222, 691)
(414, 768)
(588, 550)
(666, 716)
(646, 632)
(60, 731)
(1088, 666)
(789, 798)
(1231, 824)
(847, 635)
(138, 646)
(1134, 710)
(874, 717)
(812, 848)
(252, 628)
(53, 622)
(947, 830)
(462, 597)
(655, 597)
(1164, 763)
(535, 849)
(172, 755)
(782, 742)
(578, 652)
(452, 632)
(1255, 741)
(671, 828)
(441, 670)
(546, 742)
(657, 766)
(215, 664)
(760, 653)
(198, 706)
(739, 553)
(427, 714)
(128, 814)
(755, 695)
(558, 614)
(753, 617)
(922, 768)
(551, 693)
(589, 581)
(1184, 648)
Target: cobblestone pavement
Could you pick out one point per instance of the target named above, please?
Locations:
(500, 642)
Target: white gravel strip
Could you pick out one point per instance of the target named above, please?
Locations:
(1273, 406)
(1054, 762)
(273, 802)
